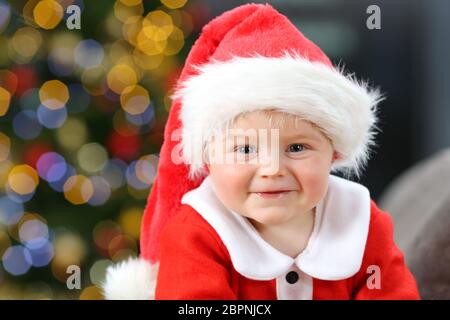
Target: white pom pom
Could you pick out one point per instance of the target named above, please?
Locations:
(134, 279)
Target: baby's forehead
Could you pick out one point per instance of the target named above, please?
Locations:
(261, 122)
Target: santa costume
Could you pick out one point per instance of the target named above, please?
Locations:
(193, 247)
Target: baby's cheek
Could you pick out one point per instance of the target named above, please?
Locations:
(231, 183)
(314, 182)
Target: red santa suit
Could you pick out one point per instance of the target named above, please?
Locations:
(247, 59)
(211, 252)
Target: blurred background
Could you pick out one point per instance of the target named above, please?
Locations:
(82, 115)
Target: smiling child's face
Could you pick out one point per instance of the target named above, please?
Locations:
(297, 161)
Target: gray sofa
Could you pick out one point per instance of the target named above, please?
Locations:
(419, 202)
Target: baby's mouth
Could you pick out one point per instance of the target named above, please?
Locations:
(273, 194)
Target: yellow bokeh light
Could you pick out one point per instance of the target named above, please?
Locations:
(92, 157)
(174, 4)
(48, 13)
(117, 50)
(147, 62)
(151, 40)
(91, 293)
(78, 189)
(54, 94)
(123, 11)
(5, 146)
(130, 221)
(175, 42)
(160, 21)
(23, 179)
(5, 168)
(182, 20)
(69, 249)
(135, 99)
(120, 77)
(5, 99)
(131, 2)
(73, 134)
(131, 29)
(26, 41)
(92, 80)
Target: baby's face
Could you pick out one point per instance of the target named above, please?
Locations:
(296, 162)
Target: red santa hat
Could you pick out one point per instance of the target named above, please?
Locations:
(249, 58)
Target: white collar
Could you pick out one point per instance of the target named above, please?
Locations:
(335, 249)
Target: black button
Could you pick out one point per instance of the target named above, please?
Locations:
(292, 277)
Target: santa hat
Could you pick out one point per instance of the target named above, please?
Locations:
(249, 58)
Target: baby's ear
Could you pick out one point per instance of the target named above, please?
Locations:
(335, 156)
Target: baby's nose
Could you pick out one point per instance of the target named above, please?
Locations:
(269, 164)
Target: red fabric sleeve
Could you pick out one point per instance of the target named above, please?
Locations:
(396, 281)
(193, 263)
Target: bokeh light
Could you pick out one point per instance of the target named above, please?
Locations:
(103, 233)
(10, 212)
(92, 157)
(51, 166)
(120, 77)
(26, 125)
(126, 9)
(69, 249)
(88, 54)
(5, 168)
(98, 270)
(5, 99)
(91, 293)
(122, 247)
(58, 185)
(23, 179)
(102, 191)
(33, 232)
(76, 111)
(114, 173)
(26, 42)
(17, 260)
(143, 118)
(48, 13)
(130, 221)
(51, 118)
(135, 99)
(132, 177)
(73, 134)
(54, 94)
(30, 99)
(78, 189)
(146, 168)
(174, 4)
(5, 14)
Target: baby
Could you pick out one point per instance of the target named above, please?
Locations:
(244, 205)
(276, 191)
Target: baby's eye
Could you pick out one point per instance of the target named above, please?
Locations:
(296, 147)
(245, 149)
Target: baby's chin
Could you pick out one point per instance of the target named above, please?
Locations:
(269, 216)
